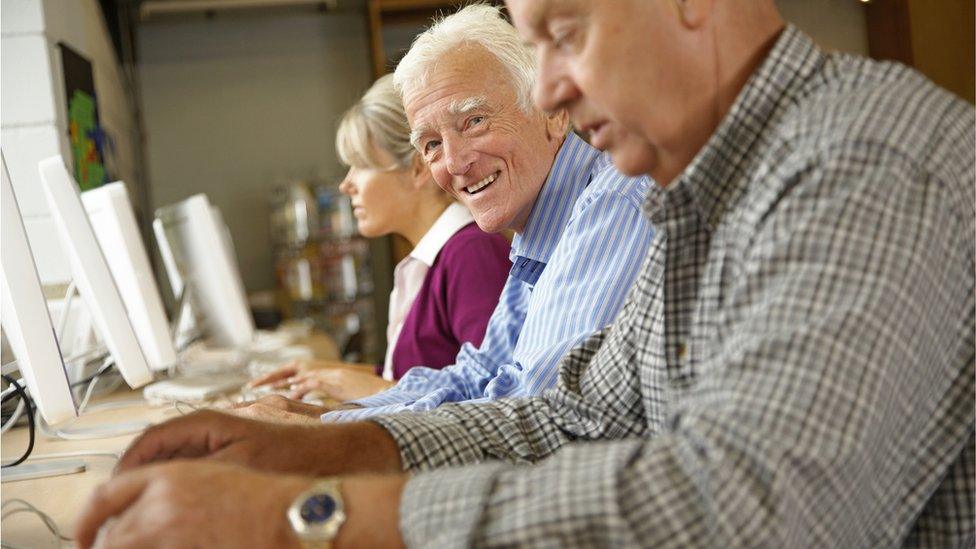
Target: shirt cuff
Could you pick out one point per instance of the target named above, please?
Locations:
(444, 508)
(393, 395)
(428, 441)
(359, 414)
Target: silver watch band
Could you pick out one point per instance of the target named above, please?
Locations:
(317, 535)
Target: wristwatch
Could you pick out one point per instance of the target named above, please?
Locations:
(317, 514)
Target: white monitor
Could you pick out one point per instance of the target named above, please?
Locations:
(111, 216)
(25, 317)
(185, 325)
(91, 273)
(199, 263)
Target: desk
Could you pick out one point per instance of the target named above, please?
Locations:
(63, 497)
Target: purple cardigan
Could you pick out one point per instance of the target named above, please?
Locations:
(455, 301)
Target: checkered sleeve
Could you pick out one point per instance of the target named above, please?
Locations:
(800, 422)
(516, 430)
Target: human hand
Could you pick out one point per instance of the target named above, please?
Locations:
(280, 378)
(339, 384)
(304, 449)
(191, 504)
(201, 504)
(226, 437)
(280, 409)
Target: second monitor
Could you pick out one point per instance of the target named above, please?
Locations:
(200, 261)
(112, 218)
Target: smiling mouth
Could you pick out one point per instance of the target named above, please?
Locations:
(483, 184)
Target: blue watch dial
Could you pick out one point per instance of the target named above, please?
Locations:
(318, 508)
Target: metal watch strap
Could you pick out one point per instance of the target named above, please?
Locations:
(326, 485)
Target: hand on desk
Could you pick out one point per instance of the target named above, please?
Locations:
(279, 409)
(336, 380)
(191, 504)
(161, 498)
(206, 504)
(339, 384)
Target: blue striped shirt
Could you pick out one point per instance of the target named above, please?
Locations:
(573, 265)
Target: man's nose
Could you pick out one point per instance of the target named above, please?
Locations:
(458, 155)
(553, 89)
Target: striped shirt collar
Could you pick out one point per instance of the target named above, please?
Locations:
(452, 219)
(711, 180)
(570, 174)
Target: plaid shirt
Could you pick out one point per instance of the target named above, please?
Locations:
(794, 367)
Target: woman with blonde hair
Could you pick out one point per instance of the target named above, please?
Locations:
(446, 288)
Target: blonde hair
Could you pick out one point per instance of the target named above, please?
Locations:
(376, 121)
(479, 24)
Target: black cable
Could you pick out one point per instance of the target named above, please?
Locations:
(29, 410)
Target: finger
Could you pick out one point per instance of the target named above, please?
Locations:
(108, 500)
(282, 384)
(258, 411)
(280, 402)
(301, 389)
(283, 372)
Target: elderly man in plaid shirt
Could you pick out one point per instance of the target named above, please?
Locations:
(793, 368)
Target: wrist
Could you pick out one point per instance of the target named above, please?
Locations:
(347, 448)
(289, 488)
(372, 511)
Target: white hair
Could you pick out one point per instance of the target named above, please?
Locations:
(477, 24)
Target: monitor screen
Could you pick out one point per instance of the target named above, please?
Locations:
(91, 273)
(25, 317)
(200, 260)
(112, 218)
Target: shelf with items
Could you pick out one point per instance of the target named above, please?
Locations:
(323, 268)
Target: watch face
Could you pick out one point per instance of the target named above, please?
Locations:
(318, 508)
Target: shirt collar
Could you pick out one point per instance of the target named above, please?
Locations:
(713, 180)
(570, 173)
(451, 220)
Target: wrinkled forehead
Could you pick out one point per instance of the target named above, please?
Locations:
(459, 83)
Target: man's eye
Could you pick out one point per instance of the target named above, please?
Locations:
(431, 146)
(475, 120)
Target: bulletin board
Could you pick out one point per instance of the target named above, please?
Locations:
(84, 131)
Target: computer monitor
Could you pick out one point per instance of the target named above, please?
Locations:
(111, 216)
(185, 325)
(91, 273)
(199, 263)
(25, 317)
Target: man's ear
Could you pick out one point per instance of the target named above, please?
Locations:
(557, 125)
(693, 13)
(419, 172)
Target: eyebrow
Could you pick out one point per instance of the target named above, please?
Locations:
(465, 106)
(456, 108)
(416, 134)
(537, 16)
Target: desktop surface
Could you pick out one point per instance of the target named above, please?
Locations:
(63, 497)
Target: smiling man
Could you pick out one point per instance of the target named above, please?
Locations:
(794, 366)
(580, 234)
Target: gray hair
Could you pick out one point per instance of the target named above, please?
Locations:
(377, 120)
(478, 24)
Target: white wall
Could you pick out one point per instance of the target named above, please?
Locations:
(233, 102)
(33, 112)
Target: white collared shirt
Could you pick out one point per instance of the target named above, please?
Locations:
(408, 276)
